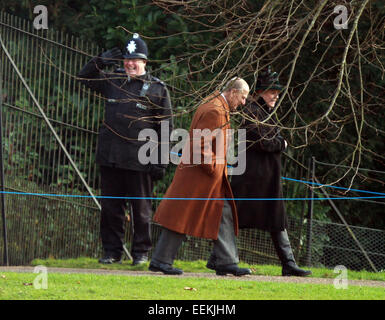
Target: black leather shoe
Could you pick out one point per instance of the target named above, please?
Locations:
(293, 270)
(231, 269)
(110, 260)
(165, 268)
(139, 260)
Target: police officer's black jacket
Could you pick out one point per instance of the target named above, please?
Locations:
(129, 108)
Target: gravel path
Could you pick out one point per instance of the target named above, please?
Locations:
(369, 283)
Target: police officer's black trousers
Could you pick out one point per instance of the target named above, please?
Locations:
(117, 182)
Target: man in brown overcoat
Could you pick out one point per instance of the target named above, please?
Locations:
(199, 200)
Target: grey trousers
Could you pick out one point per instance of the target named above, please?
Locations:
(224, 251)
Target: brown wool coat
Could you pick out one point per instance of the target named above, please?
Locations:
(200, 218)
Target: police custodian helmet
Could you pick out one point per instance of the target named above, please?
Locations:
(136, 48)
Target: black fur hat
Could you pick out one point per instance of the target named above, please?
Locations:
(268, 80)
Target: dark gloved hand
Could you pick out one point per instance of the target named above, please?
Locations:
(110, 57)
(157, 172)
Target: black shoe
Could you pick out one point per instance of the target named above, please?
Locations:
(292, 269)
(231, 269)
(110, 260)
(165, 268)
(139, 260)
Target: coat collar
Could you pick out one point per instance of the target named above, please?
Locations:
(224, 103)
(218, 100)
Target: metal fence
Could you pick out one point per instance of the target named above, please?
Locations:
(35, 161)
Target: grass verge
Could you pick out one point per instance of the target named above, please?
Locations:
(19, 286)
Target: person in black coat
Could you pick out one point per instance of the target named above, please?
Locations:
(135, 100)
(262, 178)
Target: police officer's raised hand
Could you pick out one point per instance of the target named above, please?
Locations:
(110, 57)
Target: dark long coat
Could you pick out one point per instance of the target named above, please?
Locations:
(200, 218)
(262, 178)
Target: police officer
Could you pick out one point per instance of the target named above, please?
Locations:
(135, 100)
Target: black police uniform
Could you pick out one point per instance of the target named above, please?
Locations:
(131, 106)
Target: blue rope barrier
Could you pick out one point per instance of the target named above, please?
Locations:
(159, 198)
(334, 187)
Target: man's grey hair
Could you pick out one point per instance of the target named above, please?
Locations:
(236, 83)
